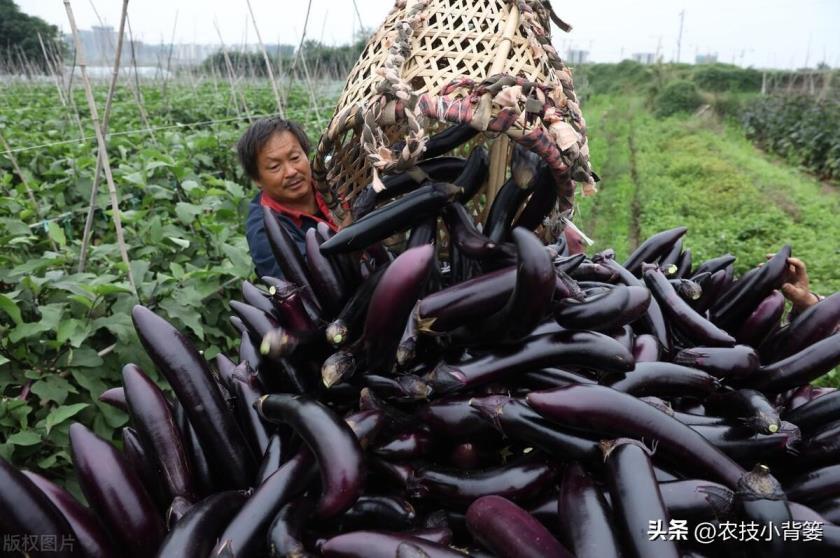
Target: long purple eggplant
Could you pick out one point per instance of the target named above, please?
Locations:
(288, 256)
(27, 511)
(247, 391)
(521, 479)
(741, 443)
(156, 426)
(142, 462)
(683, 316)
(326, 282)
(760, 498)
(349, 323)
(517, 421)
(245, 534)
(665, 379)
(89, 531)
(585, 518)
(711, 288)
(749, 406)
(190, 378)
(196, 532)
(800, 368)
(645, 348)
(396, 216)
(760, 323)
(292, 309)
(714, 264)
(508, 530)
(285, 533)
(391, 304)
(582, 348)
(274, 455)
(813, 324)
(737, 362)
(464, 235)
(115, 493)
(256, 298)
(652, 249)
(503, 209)
(546, 378)
(736, 305)
(602, 409)
(463, 302)
(393, 513)
(619, 306)
(636, 498)
(333, 442)
(539, 205)
(455, 417)
(377, 544)
(406, 445)
(816, 412)
(818, 484)
(697, 499)
(115, 397)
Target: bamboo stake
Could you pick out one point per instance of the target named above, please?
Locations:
(232, 76)
(169, 61)
(86, 235)
(52, 71)
(267, 61)
(135, 85)
(103, 151)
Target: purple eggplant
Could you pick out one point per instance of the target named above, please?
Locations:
(506, 203)
(142, 462)
(156, 426)
(665, 379)
(88, 530)
(245, 534)
(652, 249)
(256, 298)
(273, 457)
(744, 446)
(190, 378)
(816, 412)
(247, 390)
(455, 417)
(28, 512)
(293, 310)
(818, 484)
(376, 544)
(714, 264)
(682, 315)
(749, 406)
(697, 499)
(812, 325)
(115, 397)
(392, 218)
(333, 442)
(288, 256)
(349, 323)
(619, 306)
(585, 518)
(760, 499)
(761, 322)
(517, 421)
(518, 480)
(468, 456)
(582, 348)
(196, 532)
(115, 493)
(800, 368)
(736, 305)
(325, 280)
(379, 512)
(466, 301)
(737, 362)
(391, 304)
(464, 235)
(406, 445)
(602, 409)
(645, 348)
(286, 530)
(636, 498)
(366, 425)
(546, 378)
(508, 530)
(711, 288)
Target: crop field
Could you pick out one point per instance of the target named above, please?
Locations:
(65, 331)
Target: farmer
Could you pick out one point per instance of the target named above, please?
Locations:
(274, 154)
(796, 286)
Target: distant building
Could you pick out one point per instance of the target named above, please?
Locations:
(644, 57)
(705, 58)
(577, 56)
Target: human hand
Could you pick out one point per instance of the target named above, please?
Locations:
(795, 285)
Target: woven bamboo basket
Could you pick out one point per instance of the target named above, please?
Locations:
(436, 63)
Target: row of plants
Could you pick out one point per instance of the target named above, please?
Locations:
(64, 335)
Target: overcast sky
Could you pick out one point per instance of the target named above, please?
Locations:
(760, 33)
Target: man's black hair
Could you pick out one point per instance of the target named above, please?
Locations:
(258, 134)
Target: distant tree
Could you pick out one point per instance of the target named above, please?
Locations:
(19, 37)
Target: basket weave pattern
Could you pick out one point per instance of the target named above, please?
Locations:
(433, 63)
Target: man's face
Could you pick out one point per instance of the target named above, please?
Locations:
(284, 170)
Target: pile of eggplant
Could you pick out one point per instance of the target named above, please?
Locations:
(495, 396)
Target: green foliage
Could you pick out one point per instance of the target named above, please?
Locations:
(804, 130)
(725, 77)
(19, 33)
(65, 335)
(677, 96)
